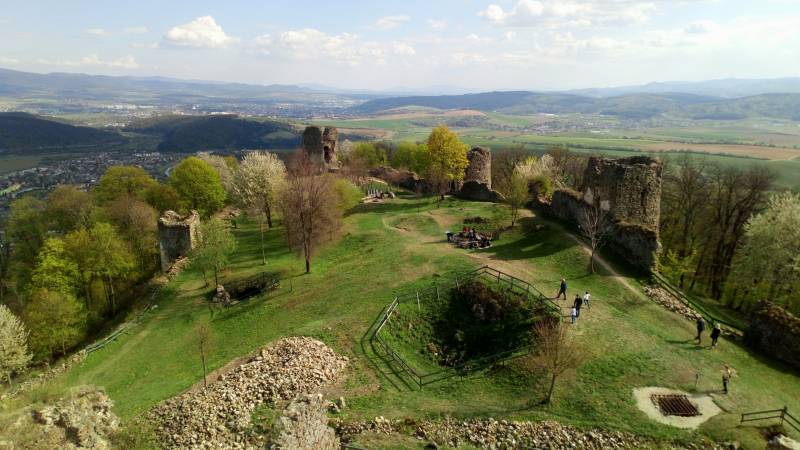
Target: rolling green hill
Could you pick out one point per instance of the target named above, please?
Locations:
(217, 132)
(21, 132)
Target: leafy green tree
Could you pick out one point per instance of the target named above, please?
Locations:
(57, 321)
(448, 159)
(14, 355)
(198, 185)
(162, 197)
(110, 259)
(215, 244)
(767, 265)
(54, 270)
(369, 154)
(518, 195)
(411, 156)
(347, 194)
(123, 180)
(69, 208)
(136, 221)
(79, 248)
(26, 228)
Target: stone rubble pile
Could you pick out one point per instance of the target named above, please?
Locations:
(220, 416)
(304, 424)
(504, 434)
(667, 300)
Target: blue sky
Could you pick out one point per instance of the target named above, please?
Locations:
(479, 45)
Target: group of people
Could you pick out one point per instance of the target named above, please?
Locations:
(469, 238)
(577, 304)
(716, 331)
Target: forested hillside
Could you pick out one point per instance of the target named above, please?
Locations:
(26, 132)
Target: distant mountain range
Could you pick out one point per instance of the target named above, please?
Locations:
(726, 88)
(629, 106)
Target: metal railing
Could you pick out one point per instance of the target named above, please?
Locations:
(689, 301)
(783, 414)
(510, 282)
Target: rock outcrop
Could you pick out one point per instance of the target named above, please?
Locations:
(81, 420)
(177, 236)
(775, 332)
(322, 144)
(304, 426)
(219, 416)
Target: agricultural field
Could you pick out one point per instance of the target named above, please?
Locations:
(397, 247)
(13, 163)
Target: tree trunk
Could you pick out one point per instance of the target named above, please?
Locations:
(205, 280)
(203, 358)
(269, 217)
(113, 297)
(216, 279)
(263, 250)
(552, 388)
(591, 260)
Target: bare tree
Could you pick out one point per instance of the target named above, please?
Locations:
(555, 352)
(595, 225)
(309, 207)
(203, 337)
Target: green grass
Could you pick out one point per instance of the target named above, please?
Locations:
(390, 248)
(13, 163)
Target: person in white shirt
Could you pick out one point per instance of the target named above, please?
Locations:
(586, 298)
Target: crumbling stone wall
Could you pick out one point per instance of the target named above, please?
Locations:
(406, 179)
(630, 189)
(480, 166)
(632, 186)
(775, 332)
(177, 236)
(322, 144)
(304, 425)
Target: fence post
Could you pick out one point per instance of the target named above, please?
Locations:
(784, 411)
(418, 308)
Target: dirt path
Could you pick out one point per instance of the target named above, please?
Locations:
(605, 264)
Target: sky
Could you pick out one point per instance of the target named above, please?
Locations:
(470, 44)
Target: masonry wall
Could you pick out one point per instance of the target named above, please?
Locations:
(176, 236)
(776, 332)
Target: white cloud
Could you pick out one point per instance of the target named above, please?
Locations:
(389, 22)
(97, 32)
(437, 24)
(202, 32)
(569, 13)
(137, 30)
(125, 62)
(7, 60)
(345, 48)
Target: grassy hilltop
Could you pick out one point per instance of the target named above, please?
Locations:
(394, 247)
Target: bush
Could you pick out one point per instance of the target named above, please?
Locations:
(541, 186)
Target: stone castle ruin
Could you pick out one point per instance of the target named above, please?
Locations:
(177, 236)
(630, 190)
(477, 183)
(322, 145)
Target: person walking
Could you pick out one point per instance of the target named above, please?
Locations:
(562, 289)
(727, 374)
(701, 326)
(586, 298)
(715, 332)
(574, 314)
(577, 305)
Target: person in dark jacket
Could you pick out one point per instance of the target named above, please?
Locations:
(562, 289)
(701, 326)
(715, 332)
(577, 305)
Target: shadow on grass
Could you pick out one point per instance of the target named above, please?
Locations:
(532, 245)
(374, 354)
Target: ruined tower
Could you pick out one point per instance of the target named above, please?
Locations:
(177, 236)
(480, 166)
(322, 144)
(631, 186)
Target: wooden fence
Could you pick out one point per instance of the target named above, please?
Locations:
(783, 414)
